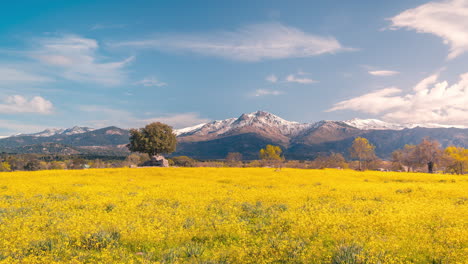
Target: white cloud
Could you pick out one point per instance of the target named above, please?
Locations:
(9, 127)
(9, 74)
(151, 81)
(302, 80)
(374, 102)
(263, 92)
(383, 73)
(179, 120)
(426, 82)
(250, 43)
(19, 104)
(272, 78)
(76, 59)
(446, 19)
(430, 102)
(115, 117)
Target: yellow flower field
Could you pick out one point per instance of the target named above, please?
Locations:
(232, 215)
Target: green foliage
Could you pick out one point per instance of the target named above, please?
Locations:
(271, 153)
(100, 240)
(32, 165)
(155, 138)
(347, 255)
(184, 161)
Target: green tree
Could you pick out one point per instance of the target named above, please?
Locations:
(155, 138)
(362, 150)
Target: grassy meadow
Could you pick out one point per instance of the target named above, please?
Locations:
(232, 215)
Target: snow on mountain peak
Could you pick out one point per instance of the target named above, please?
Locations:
(258, 119)
(375, 124)
(188, 129)
(76, 130)
(59, 131)
(264, 120)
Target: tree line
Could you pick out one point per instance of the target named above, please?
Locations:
(158, 138)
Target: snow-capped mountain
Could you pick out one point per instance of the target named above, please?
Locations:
(246, 134)
(250, 132)
(375, 124)
(263, 120)
(59, 131)
(260, 120)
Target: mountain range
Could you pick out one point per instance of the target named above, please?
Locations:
(245, 134)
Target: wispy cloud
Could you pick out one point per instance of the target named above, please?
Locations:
(431, 101)
(151, 81)
(9, 74)
(76, 58)
(374, 102)
(116, 117)
(9, 127)
(383, 73)
(20, 104)
(293, 78)
(107, 26)
(178, 120)
(271, 78)
(250, 43)
(446, 19)
(264, 92)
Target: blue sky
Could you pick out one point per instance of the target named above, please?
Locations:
(128, 63)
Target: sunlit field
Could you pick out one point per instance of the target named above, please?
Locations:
(232, 215)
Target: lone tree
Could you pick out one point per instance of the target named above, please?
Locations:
(154, 139)
(272, 155)
(456, 157)
(428, 152)
(362, 150)
(234, 157)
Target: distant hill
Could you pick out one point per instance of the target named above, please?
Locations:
(245, 134)
(107, 141)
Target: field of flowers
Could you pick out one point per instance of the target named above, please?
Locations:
(232, 215)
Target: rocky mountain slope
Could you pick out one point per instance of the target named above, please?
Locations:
(248, 133)
(245, 134)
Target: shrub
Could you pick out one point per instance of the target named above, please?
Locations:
(184, 161)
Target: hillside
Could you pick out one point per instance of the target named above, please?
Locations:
(245, 134)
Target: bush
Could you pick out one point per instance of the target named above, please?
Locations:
(184, 161)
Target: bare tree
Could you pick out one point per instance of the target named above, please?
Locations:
(428, 152)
